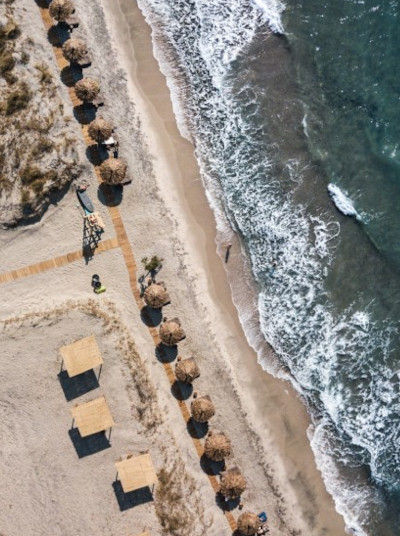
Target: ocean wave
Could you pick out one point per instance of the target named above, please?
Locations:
(342, 201)
(331, 356)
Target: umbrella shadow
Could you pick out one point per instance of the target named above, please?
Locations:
(71, 74)
(77, 385)
(85, 113)
(110, 195)
(132, 498)
(166, 354)
(44, 4)
(86, 446)
(181, 390)
(197, 430)
(58, 34)
(151, 317)
(210, 467)
(96, 154)
(226, 505)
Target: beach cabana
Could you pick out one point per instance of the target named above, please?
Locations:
(113, 171)
(232, 483)
(81, 356)
(92, 417)
(75, 50)
(156, 295)
(100, 130)
(171, 332)
(202, 409)
(61, 10)
(87, 89)
(187, 370)
(217, 446)
(248, 523)
(135, 472)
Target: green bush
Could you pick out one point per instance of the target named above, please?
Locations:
(152, 264)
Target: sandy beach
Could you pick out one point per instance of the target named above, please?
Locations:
(165, 212)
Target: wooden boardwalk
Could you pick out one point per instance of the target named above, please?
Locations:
(55, 262)
(121, 241)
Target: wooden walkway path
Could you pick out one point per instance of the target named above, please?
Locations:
(121, 241)
(55, 262)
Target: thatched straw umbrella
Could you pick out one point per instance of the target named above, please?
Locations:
(75, 50)
(217, 446)
(202, 409)
(248, 523)
(187, 370)
(113, 171)
(87, 89)
(100, 130)
(232, 483)
(61, 10)
(171, 332)
(156, 295)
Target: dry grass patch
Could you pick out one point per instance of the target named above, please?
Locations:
(32, 127)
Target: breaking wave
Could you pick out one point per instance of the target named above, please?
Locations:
(331, 354)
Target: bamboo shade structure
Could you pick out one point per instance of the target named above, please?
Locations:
(81, 356)
(92, 417)
(136, 472)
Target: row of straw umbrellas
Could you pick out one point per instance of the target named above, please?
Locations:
(112, 170)
(217, 445)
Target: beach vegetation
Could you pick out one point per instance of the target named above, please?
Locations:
(153, 264)
(18, 99)
(45, 76)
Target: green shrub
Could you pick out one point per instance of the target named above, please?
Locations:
(152, 264)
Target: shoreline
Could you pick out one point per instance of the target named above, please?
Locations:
(185, 194)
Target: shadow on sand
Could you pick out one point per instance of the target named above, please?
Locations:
(151, 317)
(166, 354)
(210, 467)
(110, 195)
(226, 506)
(85, 113)
(71, 74)
(181, 390)
(58, 34)
(85, 446)
(77, 385)
(198, 430)
(133, 498)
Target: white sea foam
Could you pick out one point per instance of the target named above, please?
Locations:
(343, 201)
(196, 44)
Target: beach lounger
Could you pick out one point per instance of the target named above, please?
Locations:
(72, 22)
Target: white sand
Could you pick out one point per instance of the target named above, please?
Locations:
(165, 213)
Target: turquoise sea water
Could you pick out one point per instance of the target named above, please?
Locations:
(296, 134)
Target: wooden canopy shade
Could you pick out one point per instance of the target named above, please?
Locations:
(136, 472)
(75, 50)
(81, 356)
(232, 483)
(113, 171)
(202, 409)
(60, 10)
(171, 332)
(156, 296)
(92, 417)
(100, 130)
(248, 523)
(87, 89)
(187, 370)
(217, 446)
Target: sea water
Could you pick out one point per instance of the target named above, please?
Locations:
(293, 111)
